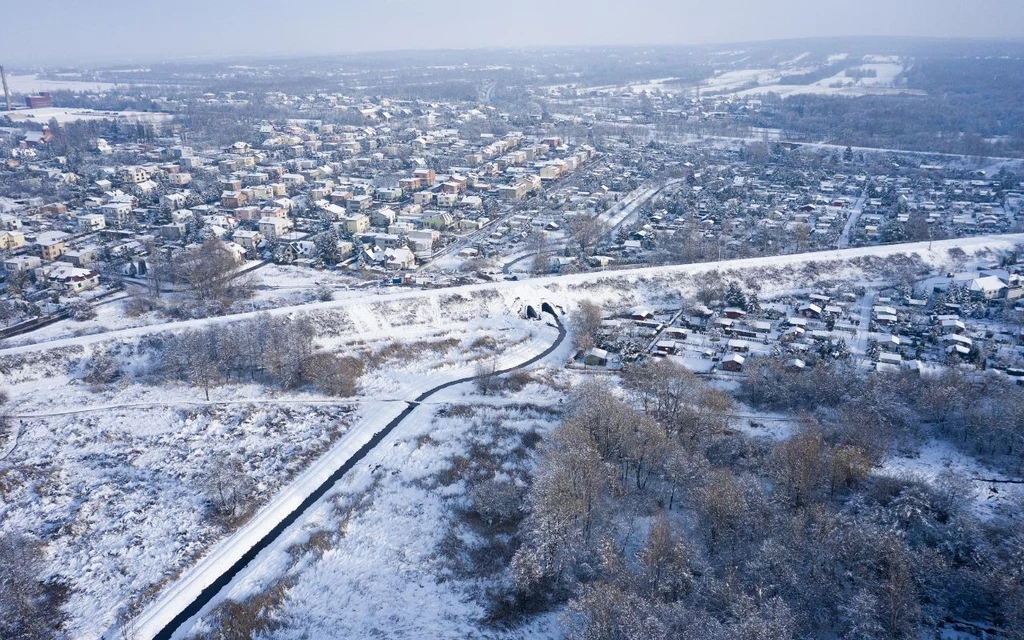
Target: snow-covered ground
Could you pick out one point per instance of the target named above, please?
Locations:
(359, 310)
(114, 478)
(63, 115)
(380, 571)
(938, 461)
(34, 84)
(132, 453)
(368, 557)
(886, 70)
(386, 392)
(121, 495)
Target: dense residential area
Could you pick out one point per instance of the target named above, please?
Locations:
(643, 342)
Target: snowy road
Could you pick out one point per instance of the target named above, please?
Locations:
(851, 222)
(535, 288)
(615, 219)
(199, 586)
(863, 332)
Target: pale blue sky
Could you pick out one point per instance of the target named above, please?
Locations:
(77, 31)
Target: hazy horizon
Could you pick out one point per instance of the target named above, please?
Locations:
(48, 32)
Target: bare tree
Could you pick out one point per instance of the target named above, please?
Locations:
(209, 272)
(585, 232)
(585, 323)
(335, 375)
(157, 270)
(541, 259)
(193, 356)
(29, 608)
(484, 375)
(666, 563)
(228, 487)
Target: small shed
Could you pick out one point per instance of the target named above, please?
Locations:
(595, 357)
(733, 362)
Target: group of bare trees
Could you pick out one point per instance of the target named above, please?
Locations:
(281, 351)
(29, 603)
(585, 232)
(608, 448)
(651, 516)
(984, 417)
(207, 274)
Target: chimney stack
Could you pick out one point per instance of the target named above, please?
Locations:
(7, 91)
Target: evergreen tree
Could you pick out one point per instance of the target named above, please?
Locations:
(327, 246)
(734, 296)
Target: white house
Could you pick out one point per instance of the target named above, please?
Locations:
(9, 222)
(248, 239)
(10, 240)
(989, 287)
(273, 228)
(399, 258)
(73, 278)
(173, 201)
(22, 263)
(118, 213)
(91, 222)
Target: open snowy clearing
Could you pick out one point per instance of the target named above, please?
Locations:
(115, 479)
(122, 496)
(64, 115)
(32, 83)
(988, 493)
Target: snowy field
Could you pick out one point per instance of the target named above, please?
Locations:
(64, 115)
(886, 70)
(111, 477)
(370, 558)
(386, 540)
(397, 373)
(34, 84)
(116, 479)
(119, 486)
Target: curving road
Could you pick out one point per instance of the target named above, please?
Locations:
(150, 623)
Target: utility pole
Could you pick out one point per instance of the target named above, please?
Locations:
(7, 90)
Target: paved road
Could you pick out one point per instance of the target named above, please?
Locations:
(187, 597)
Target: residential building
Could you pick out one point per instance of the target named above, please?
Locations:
(248, 239)
(173, 201)
(51, 245)
(356, 224)
(117, 214)
(21, 264)
(91, 222)
(358, 203)
(273, 228)
(133, 175)
(427, 176)
(11, 240)
(74, 279)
